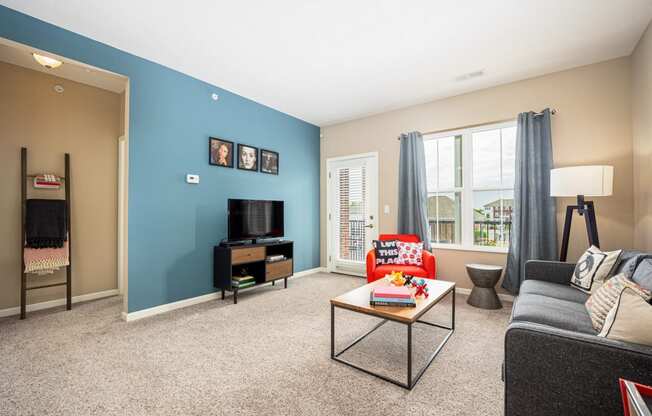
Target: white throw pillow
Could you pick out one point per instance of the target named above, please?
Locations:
(630, 319)
(603, 299)
(593, 268)
(409, 253)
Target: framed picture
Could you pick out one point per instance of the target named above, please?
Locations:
(269, 161)
(220, 152)
(247, 157)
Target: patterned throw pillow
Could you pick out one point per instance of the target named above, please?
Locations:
(409, 253)
(630, 319)
(603, 300)
(593, 268)
(386, 251)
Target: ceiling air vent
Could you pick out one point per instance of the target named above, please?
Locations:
(469, 75)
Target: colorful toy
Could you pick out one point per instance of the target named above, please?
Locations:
(397, 279)
(421, 287)
(408, 279)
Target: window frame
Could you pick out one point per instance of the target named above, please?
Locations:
(467, 188)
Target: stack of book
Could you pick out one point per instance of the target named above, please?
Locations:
(400, 296)
(241, 282)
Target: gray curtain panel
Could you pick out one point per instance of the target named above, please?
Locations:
(412, 190)
(534, 222)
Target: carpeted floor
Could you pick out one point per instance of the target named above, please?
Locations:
(267, 355)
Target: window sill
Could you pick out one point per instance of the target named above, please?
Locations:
(459, 247)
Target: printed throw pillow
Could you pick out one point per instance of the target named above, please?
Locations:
(630, 319)
(409, 253)
(593, 268)
(600, 303)
(386, 251)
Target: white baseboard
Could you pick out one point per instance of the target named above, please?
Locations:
(310, 271)
(58, 302)
(167, 307)
(345, 272)
(502, 296)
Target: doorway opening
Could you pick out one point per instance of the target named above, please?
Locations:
(352, 220)
(55, 106)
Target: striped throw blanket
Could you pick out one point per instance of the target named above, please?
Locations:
(46, 260)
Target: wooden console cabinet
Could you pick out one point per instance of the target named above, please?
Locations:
(250, 259)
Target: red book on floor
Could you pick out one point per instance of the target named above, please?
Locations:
(401, 292)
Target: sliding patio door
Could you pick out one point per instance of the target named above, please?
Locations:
(352, 211)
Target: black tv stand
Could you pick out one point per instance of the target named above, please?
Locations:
(229, 261)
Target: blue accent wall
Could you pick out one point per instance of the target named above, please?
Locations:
(173, 226)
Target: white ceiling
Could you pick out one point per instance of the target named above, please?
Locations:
(21, 55)
(326, 61)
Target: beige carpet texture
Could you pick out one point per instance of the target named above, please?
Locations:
(267, 355)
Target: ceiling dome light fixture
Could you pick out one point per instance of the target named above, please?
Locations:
(46, 61)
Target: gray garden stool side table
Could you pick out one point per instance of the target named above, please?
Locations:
(484, 278)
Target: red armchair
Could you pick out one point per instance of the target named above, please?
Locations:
(427, 269)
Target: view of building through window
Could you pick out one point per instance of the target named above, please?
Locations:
(352, 212)
(444, 178)
(480, 190)
(492, 217)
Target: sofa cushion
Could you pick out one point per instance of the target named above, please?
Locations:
(557, 313)
(643, 274)
(629, 259)
(553, 290)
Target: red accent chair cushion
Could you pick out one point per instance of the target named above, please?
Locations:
(427, 268)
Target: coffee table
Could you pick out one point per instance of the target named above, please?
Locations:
(357, 300)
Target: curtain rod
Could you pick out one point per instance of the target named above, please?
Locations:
(553, 111)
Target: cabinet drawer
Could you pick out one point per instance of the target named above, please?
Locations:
(278, 269)
(247, 255)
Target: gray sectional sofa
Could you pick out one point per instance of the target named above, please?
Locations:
(555, 364)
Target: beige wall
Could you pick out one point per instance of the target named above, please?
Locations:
(83, 121)
(642, 133)
(593, 127)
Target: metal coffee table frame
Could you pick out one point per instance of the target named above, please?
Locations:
(410, 381)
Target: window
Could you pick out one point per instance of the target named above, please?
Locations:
(444, 179)
(352, 210)
(470, 176)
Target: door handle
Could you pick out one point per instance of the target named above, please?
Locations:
(369, 226)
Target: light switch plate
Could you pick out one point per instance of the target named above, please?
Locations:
(386, 209)
(192, 178)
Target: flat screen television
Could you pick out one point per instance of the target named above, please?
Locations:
(251, 219)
